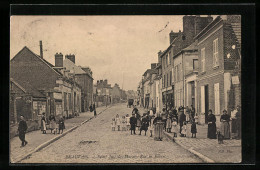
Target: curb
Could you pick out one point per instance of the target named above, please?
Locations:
(40, 147)
(199, 155)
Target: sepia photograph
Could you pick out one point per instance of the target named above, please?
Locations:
(129, 89)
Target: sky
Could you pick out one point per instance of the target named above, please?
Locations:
(117, 48)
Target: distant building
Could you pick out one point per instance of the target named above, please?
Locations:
(102, 92)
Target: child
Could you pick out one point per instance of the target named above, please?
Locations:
(61, 124)
(113, 124)
(184, 129)
(151, 126)
(127, 119)
(118, 122)
(168, 124)
(196, 118)
(123, 123)
(174, 127)
(193, 128)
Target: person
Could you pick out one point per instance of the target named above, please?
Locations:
(61, 124)
(127, 119)
(95, 112)
(192, 112)
(175, 114)
(168, 124)
(22, 127)
(138, 119)
(174, 127)
(151, 126)
(196, 117)
(135, 110)
(123, 124)
(184, 129)
(234, 121)
(158, 127)
(187, 113)
(224, 126)
(52, 123)
(133, 122)
(118, 122)
(182, 117)
(91, 108)
(193, 128)
(144, 124)
(113, 124)
(164, 118)
(211, 119)
(43, 124)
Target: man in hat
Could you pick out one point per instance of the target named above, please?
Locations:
(144, 124)
(22, 130)
(133, 122)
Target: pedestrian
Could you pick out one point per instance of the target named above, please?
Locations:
(211, 119)
(196, 118)
(224, 125)
(238, 122)
(123, 123)
(192, 112)
(158, 127)
(184, 129)
(52, 123)
(135, 110)
(138, 119)
(61, 124)
(182, 117)
(113, 124)
(187, 113)
(174, 127)
(164, 118)
(95, 113)
(22, 127)
(168, 124)
(91, 108)
(127, 119)
(151, 126)
(144, 124)
(234, 122)
(43, 124)
(118, 122)
(175, 114)
(193, 128)
(133, 122)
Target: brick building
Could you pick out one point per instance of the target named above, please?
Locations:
(62, 92)
(219, 57)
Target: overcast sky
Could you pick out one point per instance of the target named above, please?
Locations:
(112, 46)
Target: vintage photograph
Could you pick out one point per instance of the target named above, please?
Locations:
(125, 89)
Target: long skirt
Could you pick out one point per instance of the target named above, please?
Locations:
(212, 131)
(168, 124)
(138, 123)
(43, 125)
(174, 129)
(52, 124)
(234, 126)
(225, 130)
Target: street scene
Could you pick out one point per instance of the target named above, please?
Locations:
(125, 89)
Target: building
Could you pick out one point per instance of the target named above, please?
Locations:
(82, 75)
(62, 93)
(192, 25)
(116, 94)
(219, 57)
(102, 91)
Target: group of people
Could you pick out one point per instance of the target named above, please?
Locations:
(121, 123)
(225, 119)
(54, 125)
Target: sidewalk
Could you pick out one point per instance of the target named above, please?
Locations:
(36, 138)
(208, 149)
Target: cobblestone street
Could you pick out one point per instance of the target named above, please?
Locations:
(94, 142)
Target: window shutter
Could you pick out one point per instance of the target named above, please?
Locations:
(216, 94)
(202, 97)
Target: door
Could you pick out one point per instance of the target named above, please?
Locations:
(206, 103)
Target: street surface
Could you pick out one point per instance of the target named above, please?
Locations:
(95, 142)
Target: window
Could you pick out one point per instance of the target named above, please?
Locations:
(164, 81)
(215, 53)
(65, 102)
(70, 101)
(169, 58)
(202, 97)
(170, 77)
(195, 64)
(166, 60)
(216, 94)
(203, 60)
(167, 79)
(172, 74)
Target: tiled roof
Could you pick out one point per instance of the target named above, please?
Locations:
(27, 87)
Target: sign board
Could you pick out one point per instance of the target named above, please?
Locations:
(57, 96)
(235, 80)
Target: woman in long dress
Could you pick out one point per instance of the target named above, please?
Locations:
(211, 125)
(168, 124)
(127, 118)
(52, 123)
(224, 126)
(43, 124)
(138, 124)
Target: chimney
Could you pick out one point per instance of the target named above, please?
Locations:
(59, 60)
(41, 51)
(159, 57)
(153, 65)
(71, 57)
(172, 36)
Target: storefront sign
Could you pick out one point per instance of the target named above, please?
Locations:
(57, 96)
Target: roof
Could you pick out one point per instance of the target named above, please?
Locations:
(192, 47)
(27, 87)
(69, 65)
(151, 71)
